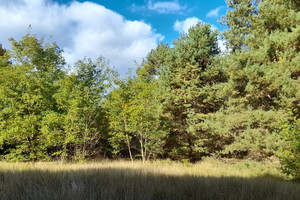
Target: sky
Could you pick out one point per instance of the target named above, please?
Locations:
(122, 31)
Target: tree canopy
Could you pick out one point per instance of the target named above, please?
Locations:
(186, 101)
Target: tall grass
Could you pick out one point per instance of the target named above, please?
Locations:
(211, 179)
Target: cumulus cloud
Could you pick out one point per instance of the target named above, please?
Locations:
(214, 12)
(222, 45)
(161, 7)
(185, 25)
(165, 6)
(81, 29)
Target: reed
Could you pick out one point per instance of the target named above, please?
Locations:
(210, 179)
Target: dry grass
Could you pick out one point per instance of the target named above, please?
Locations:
(210, 179)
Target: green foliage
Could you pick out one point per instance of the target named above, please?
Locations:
(185, 161)
(289, 154)
(186, 102)
(134, 117)
(186, 81)
(263, 81)
(2, 51)
(80, 102)
(238, 19)
(27, 87)
(44, 112)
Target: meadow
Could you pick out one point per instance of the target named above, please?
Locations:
(209, 179)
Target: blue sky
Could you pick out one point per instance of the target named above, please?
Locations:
(161, 19)
(123, 31)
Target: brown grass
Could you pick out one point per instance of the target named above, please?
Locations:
(210, 179)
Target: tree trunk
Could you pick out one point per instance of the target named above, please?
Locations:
(142, 150)
(127, 141)
(129, 149)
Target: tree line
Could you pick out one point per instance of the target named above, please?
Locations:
(187, 100)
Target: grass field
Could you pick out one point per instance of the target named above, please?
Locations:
(210, 179)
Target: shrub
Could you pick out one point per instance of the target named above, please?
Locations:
(290, 151)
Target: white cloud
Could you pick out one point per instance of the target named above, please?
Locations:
(222, 45)
(81, 29)
(185, 25)
(165, 6)
(161, 7)
(214, 12)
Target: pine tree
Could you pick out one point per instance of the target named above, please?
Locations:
(238, 19)
(264, 80)
(185, 76)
